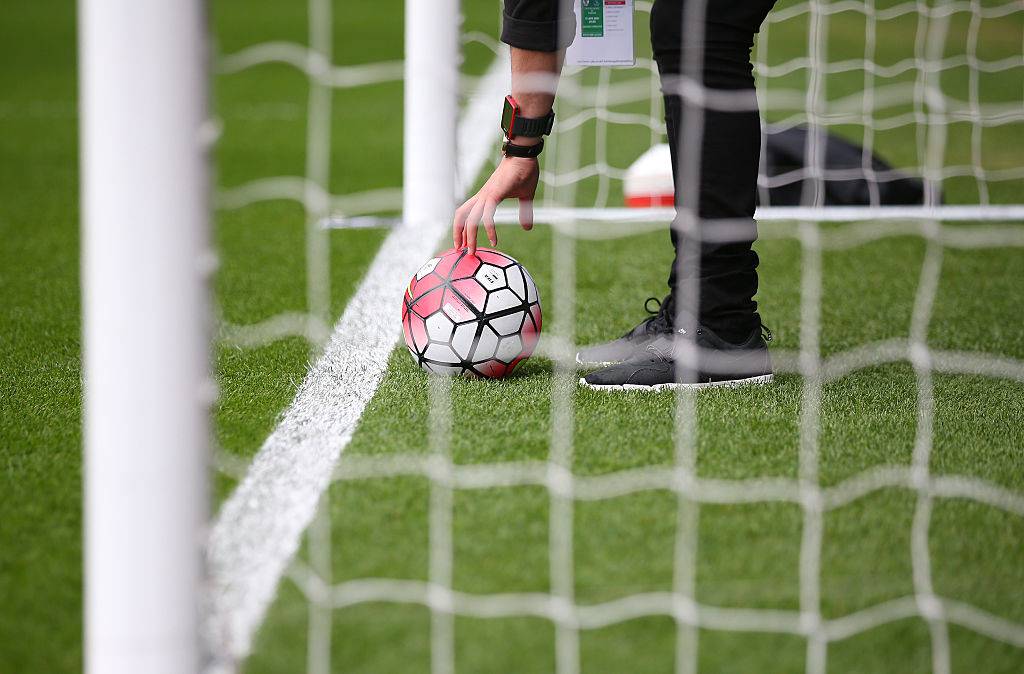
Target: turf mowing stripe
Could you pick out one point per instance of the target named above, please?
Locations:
(258, 529)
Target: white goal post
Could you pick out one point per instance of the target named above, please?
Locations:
(145, 262)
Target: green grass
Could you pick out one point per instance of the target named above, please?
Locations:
(747, 555)
(40, 473)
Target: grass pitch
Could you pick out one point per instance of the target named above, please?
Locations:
(747, 555)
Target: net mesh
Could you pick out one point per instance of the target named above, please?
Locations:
(924, 101)
(916, 82)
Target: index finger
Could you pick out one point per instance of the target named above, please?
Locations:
(459, 223)
(472, 220)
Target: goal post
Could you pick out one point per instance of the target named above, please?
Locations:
(145, 261)
(431, 110)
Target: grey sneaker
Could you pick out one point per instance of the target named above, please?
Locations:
(631, 344)
(720, 364)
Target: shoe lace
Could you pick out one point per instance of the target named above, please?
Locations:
(766, 333)
(658, 321)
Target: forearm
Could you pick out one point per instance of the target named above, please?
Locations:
(537, 31)
(534, 76)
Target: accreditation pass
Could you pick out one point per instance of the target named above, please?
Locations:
(604, 34)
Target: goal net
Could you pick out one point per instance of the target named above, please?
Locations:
(926, 87)
(934, 89)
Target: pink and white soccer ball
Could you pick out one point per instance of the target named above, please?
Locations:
(477, 315)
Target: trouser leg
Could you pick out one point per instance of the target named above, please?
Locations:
(728, 159)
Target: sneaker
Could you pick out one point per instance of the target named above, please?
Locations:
(721, 364)
(631, 344)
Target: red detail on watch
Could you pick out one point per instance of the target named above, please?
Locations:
(512, 119)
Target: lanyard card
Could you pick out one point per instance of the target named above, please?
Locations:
(604, 34)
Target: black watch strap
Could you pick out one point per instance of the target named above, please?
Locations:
(510, 149)
(533, 127)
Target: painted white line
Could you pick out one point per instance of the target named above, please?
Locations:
(258, 529)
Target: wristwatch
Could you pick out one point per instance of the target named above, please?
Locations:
(514, 124)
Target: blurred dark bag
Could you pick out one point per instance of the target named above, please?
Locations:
(785, 154)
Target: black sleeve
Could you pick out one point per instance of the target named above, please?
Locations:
(538, 25)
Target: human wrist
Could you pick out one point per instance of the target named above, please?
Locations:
(514, 149)
(525, 141)
(519, 160)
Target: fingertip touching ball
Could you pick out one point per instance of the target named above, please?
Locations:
(475, 315)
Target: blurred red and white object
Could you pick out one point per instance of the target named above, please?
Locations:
(648, 182)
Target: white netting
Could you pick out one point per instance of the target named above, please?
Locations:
(805, 491)
(582, 177)
(914, 82)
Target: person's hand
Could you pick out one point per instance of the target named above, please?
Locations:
(515, 177)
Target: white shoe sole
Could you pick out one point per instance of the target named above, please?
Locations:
(730, 383)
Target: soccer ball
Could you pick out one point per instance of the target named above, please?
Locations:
(477, 315)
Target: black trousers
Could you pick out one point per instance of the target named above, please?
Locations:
(726, 271)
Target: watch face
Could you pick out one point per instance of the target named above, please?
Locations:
(508, 116)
